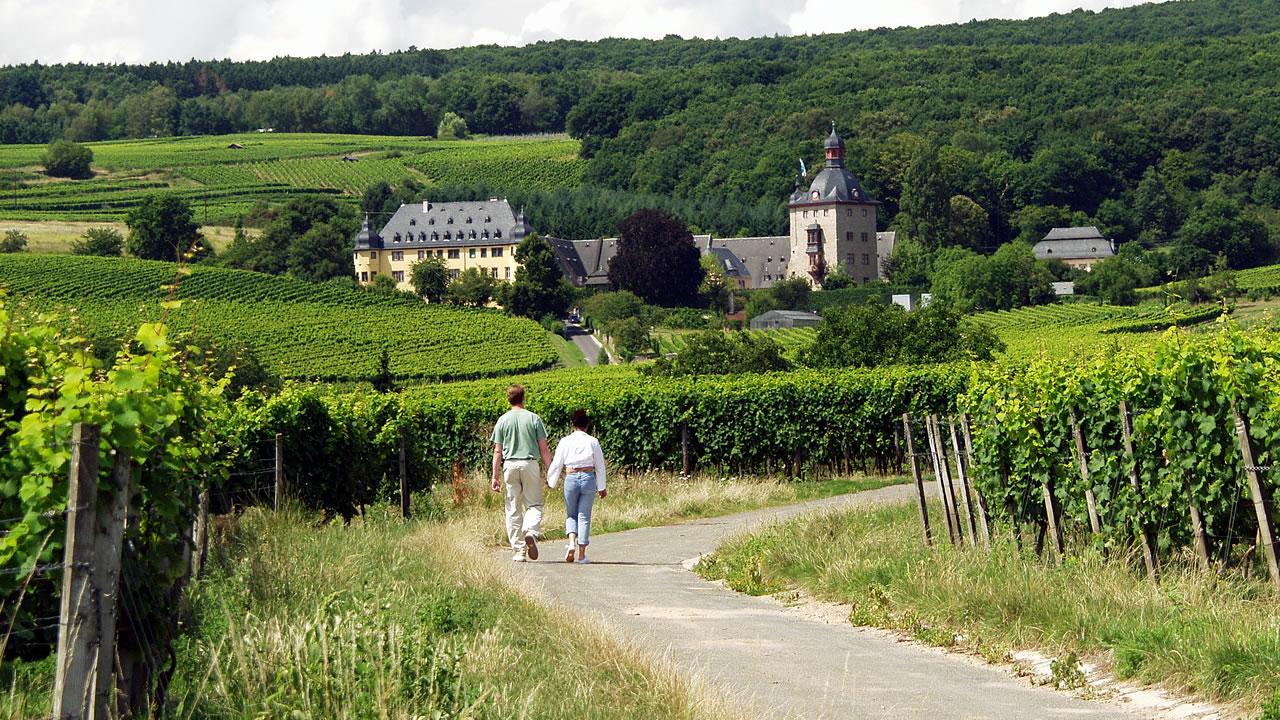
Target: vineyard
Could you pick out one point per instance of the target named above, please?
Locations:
(1084, 328)
(222, 177)
(1266, 279)
(1168, 449)
(296, 329)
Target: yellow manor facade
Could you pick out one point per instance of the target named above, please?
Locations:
(463, 235)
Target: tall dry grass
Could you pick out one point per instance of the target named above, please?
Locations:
(383, 619)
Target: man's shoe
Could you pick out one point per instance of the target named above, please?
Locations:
(518, 557)
(531, 546)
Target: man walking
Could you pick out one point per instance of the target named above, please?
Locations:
(519, 439)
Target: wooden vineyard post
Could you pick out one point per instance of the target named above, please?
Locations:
(200, 535)
(942, 472)
(963, 482)
(684, 448)
(1144, 533)
(1197, 526)
(404, 481)
(108, 549)
(279, 474)
(915, 474)
(1266, 530)
(79, 636)
(1095, 523)
(984, 516)
(1051, 512)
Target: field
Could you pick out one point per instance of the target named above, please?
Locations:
(1078, 327)
(296, 329)
(1083, 328)
(224, 176)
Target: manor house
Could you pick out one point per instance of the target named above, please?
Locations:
(479, 234)
(833, 225)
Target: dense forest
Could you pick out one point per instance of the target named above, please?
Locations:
(1151, 122)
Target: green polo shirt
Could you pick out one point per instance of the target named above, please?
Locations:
(518, 432)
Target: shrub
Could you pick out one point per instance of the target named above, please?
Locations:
(67, 159)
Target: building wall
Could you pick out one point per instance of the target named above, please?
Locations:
(498, 260)
(848, 236)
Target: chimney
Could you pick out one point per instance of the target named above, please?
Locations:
(426, 205)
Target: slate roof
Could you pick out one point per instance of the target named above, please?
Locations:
(448, 224)
(764, 258)
(585, 262)
(1075, 243)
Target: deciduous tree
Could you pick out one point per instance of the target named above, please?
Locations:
(161, 228)
(656, 259)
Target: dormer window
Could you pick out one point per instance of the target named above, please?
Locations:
(468, 221)
(435, 236)
(396, 238)
(485, 234)
(412, 221)
(422, 237)
(431, 221)
(446, 235)
(487, 218)
(473, 234)
(497, 233)
(450, 221)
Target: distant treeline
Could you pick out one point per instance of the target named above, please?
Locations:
(1145, 121)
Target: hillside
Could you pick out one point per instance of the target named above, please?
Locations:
(225, 176)
(973, 134)
(297, 330)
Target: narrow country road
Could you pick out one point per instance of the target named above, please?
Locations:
(585, 341)
(783, 664)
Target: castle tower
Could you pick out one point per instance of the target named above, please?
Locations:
(833, 224)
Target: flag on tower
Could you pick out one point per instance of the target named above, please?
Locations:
(803, 171)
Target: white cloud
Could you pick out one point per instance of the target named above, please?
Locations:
(141, 31)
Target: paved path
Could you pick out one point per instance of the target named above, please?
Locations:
(785, 665)
(585, 340)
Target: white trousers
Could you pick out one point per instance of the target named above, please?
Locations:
(522, 491)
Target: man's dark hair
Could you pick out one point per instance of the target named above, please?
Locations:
(580, 419)
(515, 394)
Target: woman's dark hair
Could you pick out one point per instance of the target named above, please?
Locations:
(580, 419)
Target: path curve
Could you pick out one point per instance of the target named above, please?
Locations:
(785, 665)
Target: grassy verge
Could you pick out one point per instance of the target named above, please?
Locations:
(383, 619)
(570, 354)
(1219, 639)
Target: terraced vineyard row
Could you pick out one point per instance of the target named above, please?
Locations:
(223, 176)
(1259, 278)
(297, 329)
(1083, 327)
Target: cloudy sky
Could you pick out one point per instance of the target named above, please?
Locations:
(93, 31)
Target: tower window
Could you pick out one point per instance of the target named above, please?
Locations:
(864, 212)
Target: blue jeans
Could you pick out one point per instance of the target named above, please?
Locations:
(579, 496)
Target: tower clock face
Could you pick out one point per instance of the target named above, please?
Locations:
(815, 195)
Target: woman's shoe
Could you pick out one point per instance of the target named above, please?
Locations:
(568, 554)
(584, 561)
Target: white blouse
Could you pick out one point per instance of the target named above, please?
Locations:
(577, 450)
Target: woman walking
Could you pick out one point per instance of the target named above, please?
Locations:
(579, 454)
